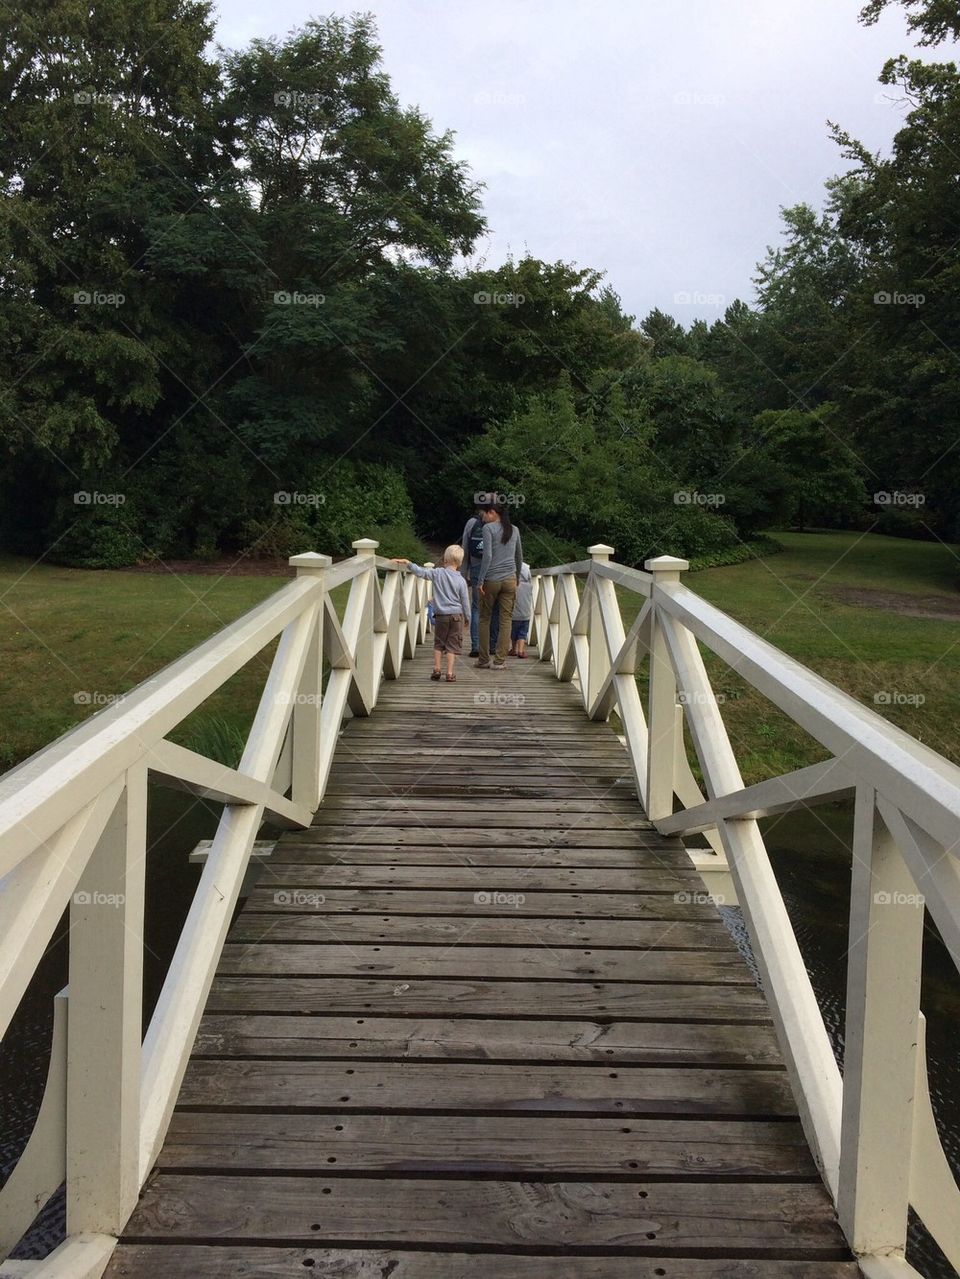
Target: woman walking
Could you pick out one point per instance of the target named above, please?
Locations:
(497, 580)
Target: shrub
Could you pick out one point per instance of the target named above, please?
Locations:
(98, 537)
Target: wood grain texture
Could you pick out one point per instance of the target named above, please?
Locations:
(167, 1261)
(481, 1021)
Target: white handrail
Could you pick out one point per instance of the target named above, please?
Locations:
(872, 1132)
(73, 835)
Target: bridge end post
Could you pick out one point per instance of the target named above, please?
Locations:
(305, 723)
(663, 724)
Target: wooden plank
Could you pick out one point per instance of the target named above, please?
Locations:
(440, 931)
(436, 853)
(306, 959)
(481, 1146)
(217, 1261)
(595, 819)
(465, 1039)
(559, 1218)
(481, 879)
(413, 997)
(425, 803)
(412, 901)
(293, 1085)
(450, 836)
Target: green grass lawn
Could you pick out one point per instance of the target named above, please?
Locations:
(842, 603)
(845, 605)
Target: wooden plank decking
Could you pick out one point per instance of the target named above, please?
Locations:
(479, 1021)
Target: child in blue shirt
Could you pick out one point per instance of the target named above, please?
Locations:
(451, 607)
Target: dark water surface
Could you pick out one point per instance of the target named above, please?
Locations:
(810, 854)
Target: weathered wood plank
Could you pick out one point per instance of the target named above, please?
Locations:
(344, 958)
(585, 819)
(472, 1145)
(499, 879)
(437, 931)
(414, 901)
(418, 835)
(288, 1085)
(414, 997)
(465, 1039)
(562, 1217)
(345, 852)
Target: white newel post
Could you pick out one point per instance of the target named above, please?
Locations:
(305, 724)
(880, 1041)
(662, 717)
(598, 659)
(105, 1021)
(423, 598)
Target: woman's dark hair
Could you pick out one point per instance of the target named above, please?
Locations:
(506, 524)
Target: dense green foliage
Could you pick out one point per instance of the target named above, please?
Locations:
(234, 317)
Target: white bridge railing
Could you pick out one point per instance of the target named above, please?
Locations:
(872, 1132)
(73, 836)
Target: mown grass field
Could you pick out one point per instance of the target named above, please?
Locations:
(875, 615)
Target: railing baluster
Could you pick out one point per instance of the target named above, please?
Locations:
(880, 1042)
(105, 1021)
(662, 718)
(305, 725)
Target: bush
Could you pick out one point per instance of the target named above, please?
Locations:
(739, 554)
(98, 537)
(544, 550)
(400, 540)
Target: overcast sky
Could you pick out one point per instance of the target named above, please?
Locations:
(653, 139)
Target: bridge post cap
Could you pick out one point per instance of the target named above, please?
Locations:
(666, 564)
(600, 551)
(429, 564)
(309, 561)
(365, 545)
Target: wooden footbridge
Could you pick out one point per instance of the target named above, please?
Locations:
(478, 1016)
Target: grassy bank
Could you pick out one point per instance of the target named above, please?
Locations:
(874, 615)
(878, 616)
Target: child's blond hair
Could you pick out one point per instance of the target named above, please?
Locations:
(453, 554)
